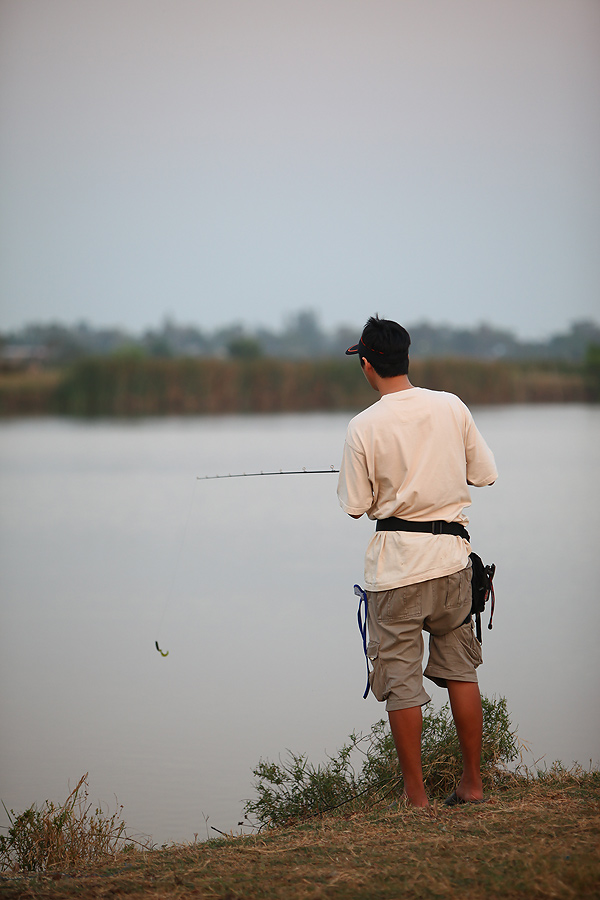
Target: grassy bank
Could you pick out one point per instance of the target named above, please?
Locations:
(534, 839)
(133, 386)
(338, 830)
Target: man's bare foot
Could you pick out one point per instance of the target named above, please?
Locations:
(454, 799)
(420, 801)
(469, 791)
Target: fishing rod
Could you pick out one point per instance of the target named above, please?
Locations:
(280, 472)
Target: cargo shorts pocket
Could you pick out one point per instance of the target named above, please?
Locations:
(401, 603)
(473, 647)
(376, 676)
(458, 591)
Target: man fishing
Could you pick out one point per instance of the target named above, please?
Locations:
(408, 462)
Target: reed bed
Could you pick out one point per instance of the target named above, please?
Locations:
(138, 386)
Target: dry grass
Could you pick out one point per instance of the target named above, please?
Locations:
(63, 836)
(536, 838)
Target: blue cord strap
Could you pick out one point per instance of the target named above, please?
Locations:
(362, 627)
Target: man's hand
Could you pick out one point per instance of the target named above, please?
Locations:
(355, 517)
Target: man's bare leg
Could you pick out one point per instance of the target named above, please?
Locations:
(406, 725)
(465, 701)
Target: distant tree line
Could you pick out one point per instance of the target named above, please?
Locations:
(301, 338)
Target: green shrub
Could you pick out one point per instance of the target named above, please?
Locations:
(366, 771)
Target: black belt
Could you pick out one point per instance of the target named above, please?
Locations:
(437, 527)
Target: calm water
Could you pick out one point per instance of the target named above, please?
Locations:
(108, 543)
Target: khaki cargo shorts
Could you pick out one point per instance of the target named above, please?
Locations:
(397, 619)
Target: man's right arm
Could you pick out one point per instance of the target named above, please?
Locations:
(355, 493)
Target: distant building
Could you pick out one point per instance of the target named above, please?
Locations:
(21, 357)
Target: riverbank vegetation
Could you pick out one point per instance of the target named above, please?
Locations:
(365, 772)
(537, 836)
(127, 384)
(61, 835)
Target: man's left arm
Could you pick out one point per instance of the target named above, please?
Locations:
(481, 465)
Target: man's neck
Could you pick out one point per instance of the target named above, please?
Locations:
(393, 385)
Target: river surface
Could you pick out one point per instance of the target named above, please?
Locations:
(109, 543)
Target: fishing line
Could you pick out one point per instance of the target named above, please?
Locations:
(331, 470)
(177, 560)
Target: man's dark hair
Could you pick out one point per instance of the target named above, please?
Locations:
(388, 344)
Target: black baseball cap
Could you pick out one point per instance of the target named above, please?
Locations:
(368, 352)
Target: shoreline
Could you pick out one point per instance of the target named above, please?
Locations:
(533, 839)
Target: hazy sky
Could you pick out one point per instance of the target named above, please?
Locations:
(222, 160)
